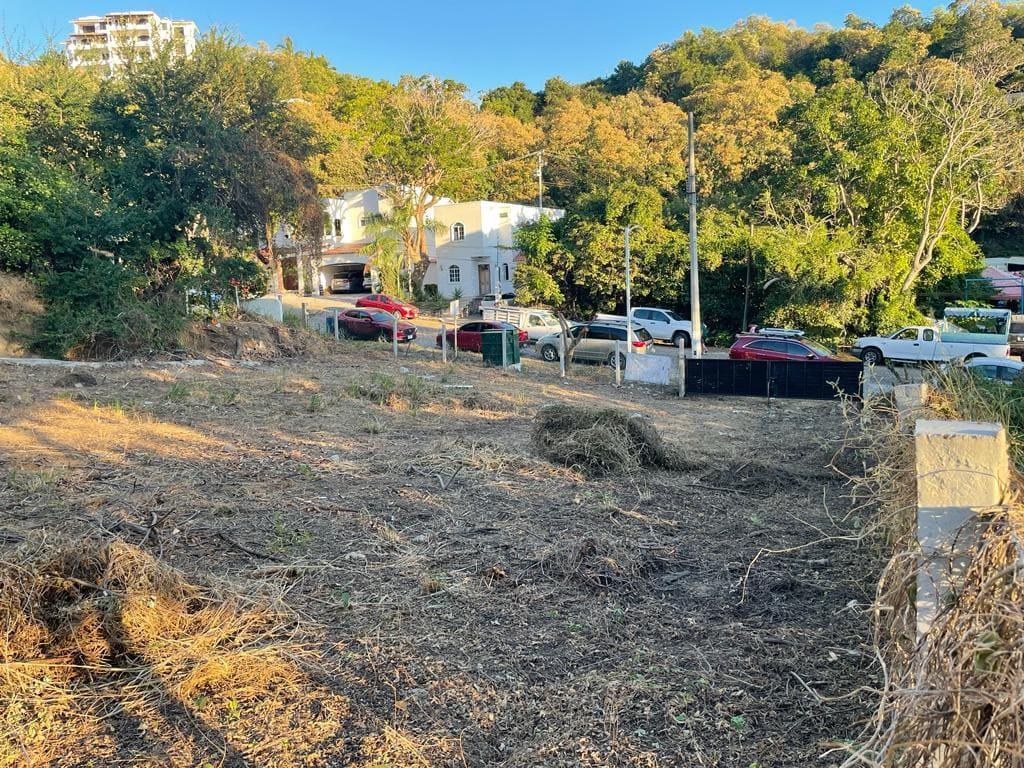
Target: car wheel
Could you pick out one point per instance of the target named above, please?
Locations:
(681, 335)
(872, 356)
(622, 361)
(382, 336)
(549, 353)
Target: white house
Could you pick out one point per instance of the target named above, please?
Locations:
(473, 251)
(108, 41)
(470, 254)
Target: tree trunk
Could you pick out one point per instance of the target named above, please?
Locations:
(276, 273)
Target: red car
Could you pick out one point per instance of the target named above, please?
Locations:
(373, 324)
(781, 346)
(388, 304)
(471, 335)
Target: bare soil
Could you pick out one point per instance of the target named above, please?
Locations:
(467, 602)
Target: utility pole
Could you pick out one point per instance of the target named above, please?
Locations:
(629, 298)
(746, 290)
(540, 183)
(696, 337)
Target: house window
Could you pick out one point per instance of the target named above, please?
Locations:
(454, 273)
(504, 271)
(458, 231)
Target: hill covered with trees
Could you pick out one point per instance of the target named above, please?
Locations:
(859, 173)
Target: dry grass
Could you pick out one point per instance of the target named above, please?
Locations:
(90, 630)
(475, 604)
(954, 698)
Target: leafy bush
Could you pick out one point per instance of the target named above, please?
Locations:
(248, 276)
(102, 310)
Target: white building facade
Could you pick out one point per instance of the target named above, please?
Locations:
(108, 41)
(470, 251)
(473, 251)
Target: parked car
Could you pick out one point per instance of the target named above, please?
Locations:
(1001, 369)
(343, 283)
(782, 344)
(1017, 336)
(471, 335)
(596, 342)
(391, 305)
(493, 300)
(373, 324)
(536, 322)
(662, 324)
(965, 332)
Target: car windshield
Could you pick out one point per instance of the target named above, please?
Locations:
(382, 317)
(642, 334)
(818, 348)
(672, 315)
(548, 320)
(507, 327)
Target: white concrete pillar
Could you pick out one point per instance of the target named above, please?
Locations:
(962, 468)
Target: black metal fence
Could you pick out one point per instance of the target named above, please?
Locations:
(782, 378)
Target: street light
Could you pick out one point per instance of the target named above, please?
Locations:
(629, 299)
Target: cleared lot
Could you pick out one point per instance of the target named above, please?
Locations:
(468, 602)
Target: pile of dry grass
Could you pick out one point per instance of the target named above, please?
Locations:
(98, 628)
(601, 441)
(954, 699)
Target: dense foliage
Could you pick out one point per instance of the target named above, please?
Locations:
(848, 178)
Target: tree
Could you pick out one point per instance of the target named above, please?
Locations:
(425, 142)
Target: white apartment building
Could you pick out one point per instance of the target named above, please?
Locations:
(471, 253)
(108, 41)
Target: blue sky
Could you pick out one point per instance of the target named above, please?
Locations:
(479, 42)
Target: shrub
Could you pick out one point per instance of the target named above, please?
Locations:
(102, 310)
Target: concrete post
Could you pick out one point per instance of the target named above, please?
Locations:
(618, 371)
(682, 367)
(444, 342)
(963, 468)
(394, 335)
(504, 350)
(337, 324)
(561, 354)
(305, 316)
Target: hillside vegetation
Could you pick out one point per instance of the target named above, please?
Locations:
(857, 173)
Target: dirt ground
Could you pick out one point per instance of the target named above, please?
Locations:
(466, 602)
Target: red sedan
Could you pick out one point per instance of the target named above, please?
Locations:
(471, 335)
(389, 304)
(373, 324)
(765, 345)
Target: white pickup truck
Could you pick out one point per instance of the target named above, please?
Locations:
(964, 332)
(662, 324)
(536, 322)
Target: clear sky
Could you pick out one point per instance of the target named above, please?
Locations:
(479, 42)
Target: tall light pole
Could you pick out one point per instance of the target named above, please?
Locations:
(629, 297)
(696, 336)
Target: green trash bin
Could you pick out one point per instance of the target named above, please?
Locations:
(490, 345)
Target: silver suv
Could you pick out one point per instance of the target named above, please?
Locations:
(596, 342)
